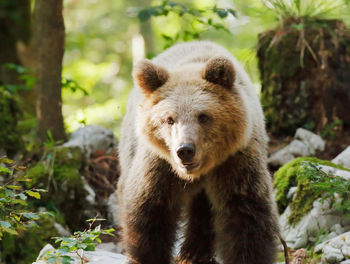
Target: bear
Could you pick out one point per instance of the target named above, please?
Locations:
(193, 148)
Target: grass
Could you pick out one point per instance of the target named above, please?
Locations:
(317, 9)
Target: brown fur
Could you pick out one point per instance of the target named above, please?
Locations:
(226, 195)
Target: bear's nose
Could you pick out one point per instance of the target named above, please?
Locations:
(186, 152)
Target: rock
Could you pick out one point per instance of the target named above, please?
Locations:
(321, 217)
(331, 255)
(92, 138)
(335, 250)
(335, 171)
(305, 143)
(112, 205)
(314, 142)
(92, 257)
(343, 158)
(61, 230)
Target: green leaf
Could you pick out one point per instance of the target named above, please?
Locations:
(31, 215)
(222, 13)
(66, 259)
(22, 196)
(5, 224)
(18, 201)
(144, 15)
(33, 194)
(5, 171)
(10, 231)
(6, 160)
(14, 187)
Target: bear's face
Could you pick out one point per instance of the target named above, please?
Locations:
(194, 118)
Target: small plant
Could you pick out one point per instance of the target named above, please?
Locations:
(329, 186)
(330, 130)
(197, 20)
(320, 9)
(77, 244)
(14, 214)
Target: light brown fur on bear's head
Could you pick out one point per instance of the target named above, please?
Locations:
(196, 104)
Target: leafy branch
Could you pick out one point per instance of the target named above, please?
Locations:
(78, 243)
(13, 199)
(200, 20)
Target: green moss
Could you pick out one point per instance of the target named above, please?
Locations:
(295, 173)
(10, 137)
(59, 172)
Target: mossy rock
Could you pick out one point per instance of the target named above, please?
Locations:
(296, 173)
(10, 137)
(59, 173)
(304, 66)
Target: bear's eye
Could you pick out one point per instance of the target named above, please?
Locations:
(203, 118)
(170, 121)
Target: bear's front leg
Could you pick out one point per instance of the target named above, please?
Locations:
(149, 212)
(245, 217)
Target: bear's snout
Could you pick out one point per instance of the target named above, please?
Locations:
(186, 152)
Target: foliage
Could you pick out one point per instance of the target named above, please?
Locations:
(23, 231)
(58, 171)
(10, 137)
(24, 247)
(311, 183)
(330, 130)
(320, 9)
(199, 20)
(77, 244)
(13, 200)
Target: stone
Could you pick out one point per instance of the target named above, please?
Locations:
(320, 217)
(335, 250)
(280, 157)
(305, 143)
(92, 257)
(61, 230)
(313, 141)
(331, 255)
(112, 205)
(92, 138)
(343, 158)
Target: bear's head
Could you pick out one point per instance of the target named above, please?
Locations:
(193, 117)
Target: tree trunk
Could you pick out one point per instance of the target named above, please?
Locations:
(49, 48)
(305, 76)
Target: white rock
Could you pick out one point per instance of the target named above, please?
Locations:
(291, 192)
(92, 138)
(335, 171)
(281, 157)
(61, 230)
(110, 247)
(345, 249)
(320, 217)
(331, 255)
(112, 204)
(305, 143)
(298, 148)
(336, 249)
(96, 257)
(345, 261)
(44, 250)
(343, 158)
(313, 141)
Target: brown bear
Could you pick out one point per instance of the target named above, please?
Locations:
(193, 140)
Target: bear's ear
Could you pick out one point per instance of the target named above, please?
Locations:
(219, 70)
(148, 76)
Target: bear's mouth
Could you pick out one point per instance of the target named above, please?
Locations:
(189, 166)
